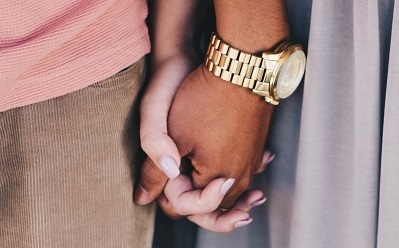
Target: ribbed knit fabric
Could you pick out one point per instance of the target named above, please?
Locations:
(49, 48)
(66, 169)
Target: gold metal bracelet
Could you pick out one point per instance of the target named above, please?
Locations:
(240, 68)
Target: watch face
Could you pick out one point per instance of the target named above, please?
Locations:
(291, 74)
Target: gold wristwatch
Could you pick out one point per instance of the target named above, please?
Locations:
(273, 75)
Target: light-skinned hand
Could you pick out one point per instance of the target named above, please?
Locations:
(220, 127)
(201, 206)
(177, 197)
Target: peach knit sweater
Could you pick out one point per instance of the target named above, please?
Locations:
(49, 48)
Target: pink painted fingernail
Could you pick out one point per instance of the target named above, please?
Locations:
(270, 159)
(259, 202)
(243, 223)
(169, 166)
(226, 186)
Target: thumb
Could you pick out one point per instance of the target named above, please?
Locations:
(162, 152)
(151, 183)
(162, 162)
(157, 167)
(163, 156)
(154, 109)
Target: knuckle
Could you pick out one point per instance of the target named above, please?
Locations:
(211, 206)
(171, 213)
(179, 210)
(200, 177)
(146, 142)
(243, 185)
(206, 206)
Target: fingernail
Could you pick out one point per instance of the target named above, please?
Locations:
(143, 189)
(142, 197)
(226, 186)
(169, 166)
(259, 202)
(271, 158)
(243, 223)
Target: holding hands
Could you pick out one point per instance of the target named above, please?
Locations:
(221, 159)
(212, 131)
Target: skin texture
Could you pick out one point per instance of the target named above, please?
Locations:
(218, 127)
(252, 26)
(172, 59)
(222, 136)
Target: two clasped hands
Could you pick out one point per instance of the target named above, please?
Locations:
(194, 122)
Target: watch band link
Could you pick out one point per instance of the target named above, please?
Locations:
(237, 67)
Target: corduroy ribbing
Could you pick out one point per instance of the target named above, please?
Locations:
(66, 46)
(66, 170)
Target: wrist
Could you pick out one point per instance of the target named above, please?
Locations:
(273, 75)
(172, 26)
(256, 45)
(252, 26)
(174, 51)
(239, 97)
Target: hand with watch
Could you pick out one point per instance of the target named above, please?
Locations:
(222, 126)
(216, 121)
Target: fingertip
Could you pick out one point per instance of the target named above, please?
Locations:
(268, 157)
(216, 190)
(141, 196)
(237, 219)
(254, 194)
(259, 202)
(226, 186)
(222, 222)
(151, 183)
(242, 223)
(161, 151)
(169, 166)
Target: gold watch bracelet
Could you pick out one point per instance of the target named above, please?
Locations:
(240, 68)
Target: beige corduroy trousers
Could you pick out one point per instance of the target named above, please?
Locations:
(67, 168)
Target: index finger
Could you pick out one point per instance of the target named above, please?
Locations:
(182, 199)
(152, 181)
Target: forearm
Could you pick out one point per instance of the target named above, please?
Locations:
(252, 26)
(172, 26)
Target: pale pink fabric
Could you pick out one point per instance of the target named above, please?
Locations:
(49, 48)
